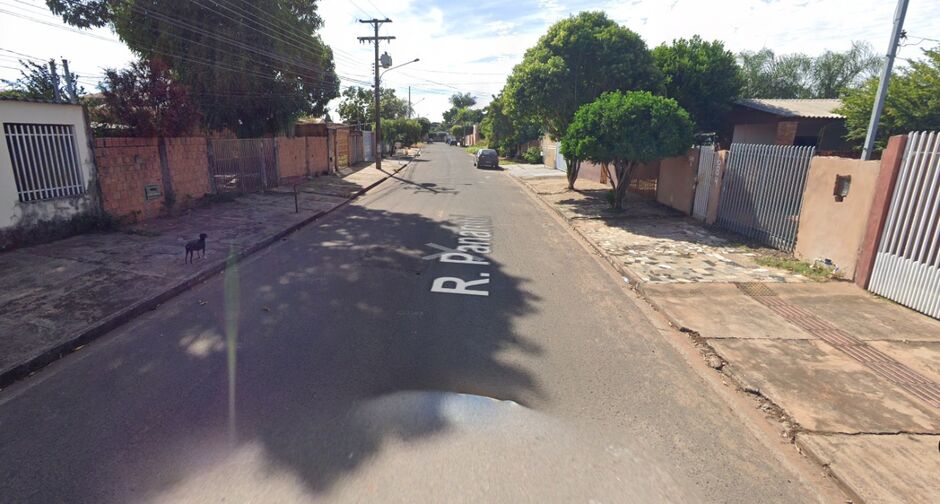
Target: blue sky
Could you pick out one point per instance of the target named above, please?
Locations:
(471, 46)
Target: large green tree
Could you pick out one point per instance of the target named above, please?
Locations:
(358, 106)
(577, 60)
(504, 131)
(912, 104)
(625, 129)
(703, 77)
(252, 67)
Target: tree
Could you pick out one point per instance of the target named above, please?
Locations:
(252, 67)
(912, 104)
(462, 100)
(703, 77)
(40, 82)
(767, 75)
(577, 60)
(624, 130)
(149, 100)
(406, 131)
(505, 132)
(358, 106)
(425, 126)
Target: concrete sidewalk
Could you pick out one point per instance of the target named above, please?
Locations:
(58, 296)
(850, 378)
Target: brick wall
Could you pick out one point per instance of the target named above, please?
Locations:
(125, 166)
(292, 157)
(188, 166)
(317, 155)
(786, 132)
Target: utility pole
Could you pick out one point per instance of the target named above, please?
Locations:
(879, 106)
(376, 23)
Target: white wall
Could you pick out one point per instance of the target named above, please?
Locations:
(765, 134)
(15, 213)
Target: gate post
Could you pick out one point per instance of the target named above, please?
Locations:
(884, 190)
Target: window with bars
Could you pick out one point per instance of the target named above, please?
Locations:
(45, 160)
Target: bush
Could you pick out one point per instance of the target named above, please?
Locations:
(532, 155)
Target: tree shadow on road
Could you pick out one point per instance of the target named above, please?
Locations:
(331, 322)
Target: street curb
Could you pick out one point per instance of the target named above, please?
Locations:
(111, 322)
(638, 286)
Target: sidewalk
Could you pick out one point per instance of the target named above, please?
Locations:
(851, 378)
(58, 296)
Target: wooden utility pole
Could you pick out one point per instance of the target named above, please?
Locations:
(377, 136)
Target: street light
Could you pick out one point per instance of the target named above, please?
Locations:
(378, 109)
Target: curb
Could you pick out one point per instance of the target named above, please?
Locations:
(638, 286)
(111, 322)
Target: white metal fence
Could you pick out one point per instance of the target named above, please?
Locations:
(707, 171)
(907, 266)
(45, 161)
(762, 192)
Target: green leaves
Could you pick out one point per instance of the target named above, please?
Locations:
(913, 102)
(624, 127)
(572, 64)
(703, 77)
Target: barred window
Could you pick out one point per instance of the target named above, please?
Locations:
(45, 160)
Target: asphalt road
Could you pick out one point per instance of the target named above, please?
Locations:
(354, 380)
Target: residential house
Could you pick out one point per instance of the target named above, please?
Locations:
(789, 122)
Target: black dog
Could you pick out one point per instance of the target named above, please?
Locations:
(196, 246)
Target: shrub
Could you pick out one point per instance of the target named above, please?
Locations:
(532, 156)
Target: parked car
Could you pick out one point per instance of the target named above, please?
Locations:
(486, 158)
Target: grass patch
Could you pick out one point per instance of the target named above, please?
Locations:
(814, 272)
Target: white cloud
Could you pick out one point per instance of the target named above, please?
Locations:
(471, 47)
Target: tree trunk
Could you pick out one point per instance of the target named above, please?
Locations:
(622, 170)
(574, 166)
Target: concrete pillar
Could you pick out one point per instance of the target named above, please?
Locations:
(884, 190)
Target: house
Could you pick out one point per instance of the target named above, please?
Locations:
(47, 168)
(789, 122)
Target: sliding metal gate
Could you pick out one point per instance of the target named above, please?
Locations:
(762, 192)
(707, 171)
(907, 266)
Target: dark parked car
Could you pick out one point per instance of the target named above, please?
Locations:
(486, 158)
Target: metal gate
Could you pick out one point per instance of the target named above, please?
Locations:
(907, 266)
(762, 192)
(707, 171)
(242, 164)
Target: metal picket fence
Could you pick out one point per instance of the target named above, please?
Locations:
(907, 265)
(762, 192)
(242, 164)
(707, 171)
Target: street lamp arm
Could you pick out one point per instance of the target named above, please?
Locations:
(399, 66)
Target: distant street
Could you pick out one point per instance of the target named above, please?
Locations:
(442, 339)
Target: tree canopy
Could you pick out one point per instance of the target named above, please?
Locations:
(912, 104)
(702, 76)
(148, 100)
(767, 75)
(577, 60)
(40, 82)
(624, 129)
(504, 131)
(358, 106)
(252, 67)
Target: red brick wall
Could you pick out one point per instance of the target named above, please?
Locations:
(125, 166)
(189, 173)
(292, 157)
(317, 154)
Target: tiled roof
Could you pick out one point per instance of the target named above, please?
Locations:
(810, 108)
